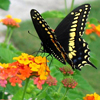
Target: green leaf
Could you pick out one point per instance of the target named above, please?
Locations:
(12, 89)
(53, 14)
(7, 55)
(74, 94)
(4, 4)
(94, 21)
(82, 83)
(93, 59)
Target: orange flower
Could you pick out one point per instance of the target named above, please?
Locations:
(26, 66)
(92, 97)
(11, 22)
(93, 29)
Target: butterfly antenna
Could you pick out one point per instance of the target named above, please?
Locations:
(32, 34)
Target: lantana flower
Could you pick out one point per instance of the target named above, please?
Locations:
(66, 70)
(24, 67)
(94, 96)
(91, 28)
(69, 83)
(11, 22)
(51, 80)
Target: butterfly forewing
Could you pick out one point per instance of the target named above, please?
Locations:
(69, 33)
(48, 39)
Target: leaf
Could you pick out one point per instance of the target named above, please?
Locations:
(94, 21)
(82, 83)
(93, 59)
(12, 89)
(7, 55)
(4, 4)
(74, 94)
(53, 14)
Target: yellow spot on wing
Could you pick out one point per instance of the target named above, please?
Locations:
(70, 49)
(71, 43)
(72, 13)
(75, 25)
(74, 22)
(73, 53)
(86, 5)
(84, 62)
(84, 44)
(77, 14)
(70, 55)
(38, 19)
(72, 34)
(85, 12)
(85, 56)
(43, 25)
(75, 18)
(48, 32)
(73, 29)
(40, 22)
(80, 10)
(46, 29)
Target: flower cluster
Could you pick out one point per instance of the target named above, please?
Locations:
(66, 70)
(69, 83)
(51, 80)
(11, 22)
(92, 29)
(92, 97)
(26, 66)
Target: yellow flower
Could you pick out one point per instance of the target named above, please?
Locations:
(8, 16)
(23, 59)
(34, 67)
(98, 28)
(92, 97)
(4, 65)
(17, 20)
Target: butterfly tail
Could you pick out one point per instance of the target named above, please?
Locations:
(91, 64)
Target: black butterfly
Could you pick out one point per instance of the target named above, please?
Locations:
(68, 46)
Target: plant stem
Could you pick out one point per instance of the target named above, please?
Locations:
(26, 84)
(3, 93)
(6, 34)
(65, 7)
(60, 88)
(64, 95)
(72, 4)
(10, 35)
(42, 92)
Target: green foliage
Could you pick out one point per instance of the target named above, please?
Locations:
(7, 53)
(53, 14)
(4, 4)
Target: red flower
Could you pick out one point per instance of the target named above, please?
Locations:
(38, 82)
(66, 70)
(51, 80)
(69, 83)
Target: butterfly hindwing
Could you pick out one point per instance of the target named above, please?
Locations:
(69, 33)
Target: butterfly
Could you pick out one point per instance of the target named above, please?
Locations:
(65, 43)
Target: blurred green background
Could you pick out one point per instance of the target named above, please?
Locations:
(28, 43)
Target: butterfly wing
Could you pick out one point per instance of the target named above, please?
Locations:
(48, 39)
(69, 33)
